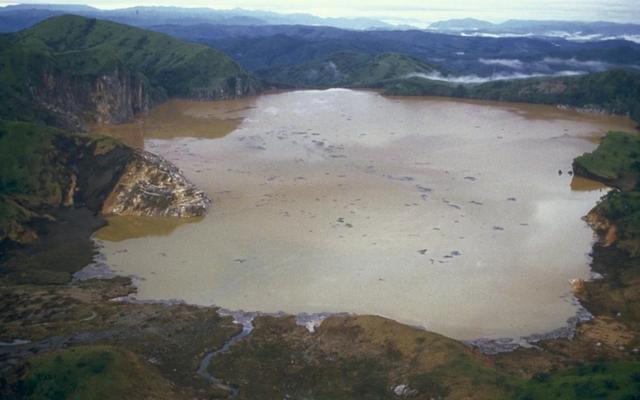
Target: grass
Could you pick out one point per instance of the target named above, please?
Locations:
(30, 174)
(612, 380)
(91, 373)
(26, 154)
(617, 157)
(90, 47)
(362, 357)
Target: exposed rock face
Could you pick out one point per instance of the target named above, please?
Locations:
(606, 230)
(112, 97)
(236, 86)
(117, 96)
(104, 177)
(152, 186)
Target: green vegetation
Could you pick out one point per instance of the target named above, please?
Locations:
(80, 373)
(614, 381)
(616, 91)
(361, 357)
(88, 373)
(623, 209)
(348, 69)
(30, 175)
(91, 47)
(616, 162)
(59, 69)
(26, 156)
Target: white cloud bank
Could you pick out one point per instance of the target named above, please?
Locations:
(436, 76)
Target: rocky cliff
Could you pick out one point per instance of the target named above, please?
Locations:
(113, 96)
(95, 173)
(152, 186)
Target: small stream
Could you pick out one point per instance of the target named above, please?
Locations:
(246, 320)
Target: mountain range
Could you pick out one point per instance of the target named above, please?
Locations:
(21, 16)
(264, 47)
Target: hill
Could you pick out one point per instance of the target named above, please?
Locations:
(615, 92)
(348, 70)
(69, 69)
(260, 47)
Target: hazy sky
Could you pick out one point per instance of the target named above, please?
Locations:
(416, 10)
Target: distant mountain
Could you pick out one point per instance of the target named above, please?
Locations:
(572, 30)
(262, 47)
(17, 17)
(69, 69)
(348, 70)
(461, 25)
(68, 8)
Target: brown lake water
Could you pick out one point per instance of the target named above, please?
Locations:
(446, 214)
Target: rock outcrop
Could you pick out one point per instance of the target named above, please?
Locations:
(111, 97)
(230, 88)
(104, 177)
(606, 230)
(152, 186)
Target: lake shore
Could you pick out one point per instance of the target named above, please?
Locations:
(171, 338)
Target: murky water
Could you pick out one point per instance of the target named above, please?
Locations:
(449, 215)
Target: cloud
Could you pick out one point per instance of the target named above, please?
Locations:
(436, 76)
(572, 36)
(509, 63)
(548, 65)
(495, 35)
(589, 65)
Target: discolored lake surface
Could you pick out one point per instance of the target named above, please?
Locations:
(446, 214)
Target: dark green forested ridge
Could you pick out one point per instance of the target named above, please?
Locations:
(349, 69)
(615, 91)
(68, 69)
(90, 46)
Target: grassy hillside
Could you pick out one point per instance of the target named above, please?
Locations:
(616, 161)
(616, 91)
(93, 373)
(37, 167)
(363, 357)
(71, 66)
(348, 69)
(88, 46)
(613, 380)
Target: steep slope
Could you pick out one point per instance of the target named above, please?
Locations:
(616, 162)
(69, 69)
(348, 69)
(43, 170)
